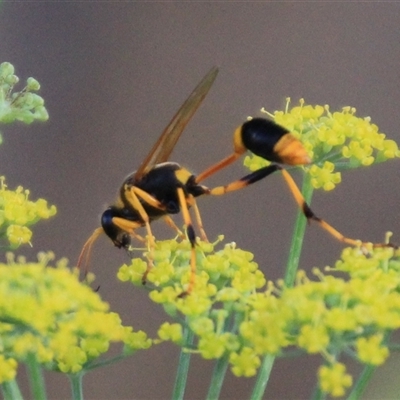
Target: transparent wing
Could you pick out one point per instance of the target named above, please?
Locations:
(166, 142)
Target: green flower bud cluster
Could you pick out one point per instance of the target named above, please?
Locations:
(47, 312)
(235, 313)
(334, 140)
(17, 212)
(24, 105)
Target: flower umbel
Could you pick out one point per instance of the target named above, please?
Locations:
(335, 141)
(47, 312)
(25, 105)
(234, 314)
(17, 213)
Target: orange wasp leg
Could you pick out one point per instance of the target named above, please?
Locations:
(168, 220)
(192, 239)
(238, 150)
(218, 166)
(191, 201)
(309, 214)
(140, 238)
(298, 197)
(133, 196)
(148, 198)
(245, 181)
(129, 226)
(152, 201)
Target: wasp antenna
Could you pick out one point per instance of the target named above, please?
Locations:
(84, 257)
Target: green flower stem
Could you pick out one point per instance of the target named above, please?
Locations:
(218, 378)
(290, 275)
(183, 366)
(10, 390)
(361, 383)
(76, 385)
(263, 377)
(38, 387)
(318, 394)
(298, 234)
(366, 374)
(221, 366)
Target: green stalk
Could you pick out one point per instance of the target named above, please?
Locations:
(222, 363)
(318, 394)
(290, 275)
(366, 374)
(218, 378)
(361, 383)
(183, 366)
(36, 380)
(263, 377)
(10, 390)
(76, 386)
(298, 234)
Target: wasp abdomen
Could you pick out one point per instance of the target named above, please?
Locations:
(273, 142)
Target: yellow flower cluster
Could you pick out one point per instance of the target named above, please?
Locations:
(17, 212)
(234, 313)
(334, 379)
(335, 141)
(47, 312)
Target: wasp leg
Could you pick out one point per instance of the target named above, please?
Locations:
(140, 238)
(304, 207)
(192, 239)
(245, 181)
(192, 203)
(155, 203)
(309, 214)
(130, 226)
(220, 165)
(168, 220)
(126, 225)
(148, 198)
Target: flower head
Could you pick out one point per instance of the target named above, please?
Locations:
(233, 312)
(25, 105)
(47, 312)
(334, 140)
(18, 212)
(334, 379)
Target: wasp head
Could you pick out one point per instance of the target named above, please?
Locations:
(119, 237)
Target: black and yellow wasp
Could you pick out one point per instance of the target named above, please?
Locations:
(160, 187)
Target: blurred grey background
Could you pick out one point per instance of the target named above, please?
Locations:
(114, 73)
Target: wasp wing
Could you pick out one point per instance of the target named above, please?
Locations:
(166, 142)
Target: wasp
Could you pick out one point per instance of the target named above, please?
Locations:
(160, 188)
